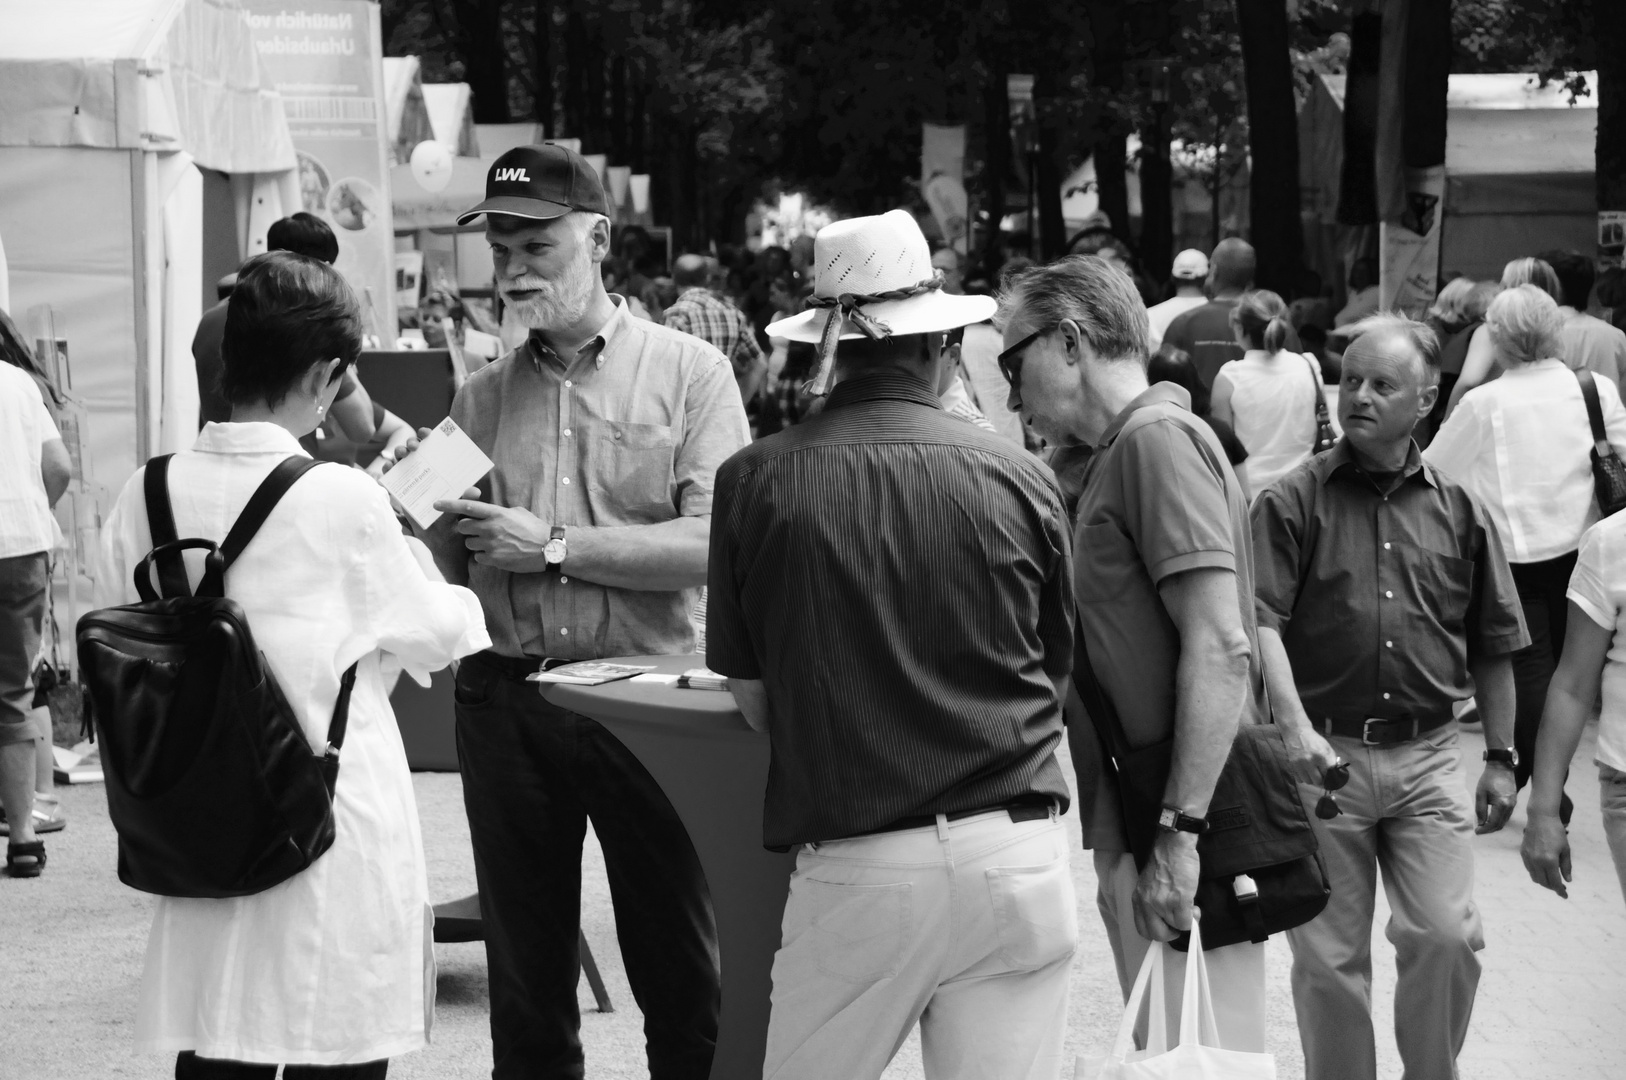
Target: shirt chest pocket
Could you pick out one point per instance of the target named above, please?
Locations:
(1105, 563)
(629, 470)
(1442, 584)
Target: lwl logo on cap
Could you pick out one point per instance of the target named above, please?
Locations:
(512, 174)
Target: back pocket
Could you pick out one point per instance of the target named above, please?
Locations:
(1036, 912)
(860, 930)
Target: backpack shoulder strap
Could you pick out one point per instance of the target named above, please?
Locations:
(262, 502)
(1594, 410)
(161, 524)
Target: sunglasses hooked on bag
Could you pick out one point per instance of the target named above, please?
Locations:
(212, 786)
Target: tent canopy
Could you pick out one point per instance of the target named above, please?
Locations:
(404, 108)
(139, 75)
(451, 114)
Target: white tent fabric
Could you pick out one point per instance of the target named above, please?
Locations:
(139, 74)
(404, 108)
(451, 114)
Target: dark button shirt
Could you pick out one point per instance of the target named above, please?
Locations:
(1382, 595)
(1159, 499)
(1206, 334)
(901, 582)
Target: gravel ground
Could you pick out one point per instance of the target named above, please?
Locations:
(71, 959)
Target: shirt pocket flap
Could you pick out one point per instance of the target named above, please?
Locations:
(628, 436)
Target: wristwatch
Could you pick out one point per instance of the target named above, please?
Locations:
(554, 549)
(1507, 756)
(1173, 819)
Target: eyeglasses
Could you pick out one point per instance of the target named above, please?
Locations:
(1010, 361)
(1327, 808)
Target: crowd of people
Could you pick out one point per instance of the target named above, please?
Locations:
(1197, 509)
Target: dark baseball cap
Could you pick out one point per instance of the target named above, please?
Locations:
(540, 183)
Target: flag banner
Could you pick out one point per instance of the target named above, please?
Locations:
(1409, 249)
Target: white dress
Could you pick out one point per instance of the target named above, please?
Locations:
(333, 966)
(1273, 412)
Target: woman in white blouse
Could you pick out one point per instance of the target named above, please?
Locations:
(1520, 444)
(1268, 396)
(331, 971)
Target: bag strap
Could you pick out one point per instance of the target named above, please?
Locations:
(1594, 411)
(1321, 414)
(262, 502)
(341, 711)
(161, 524)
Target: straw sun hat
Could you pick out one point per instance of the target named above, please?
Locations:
(873, 277)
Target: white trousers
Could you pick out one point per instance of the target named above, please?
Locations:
(967, 928)
(1236, 972)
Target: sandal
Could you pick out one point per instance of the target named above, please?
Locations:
(25, 860)
(48, 816)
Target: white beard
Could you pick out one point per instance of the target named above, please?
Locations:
(561, 303)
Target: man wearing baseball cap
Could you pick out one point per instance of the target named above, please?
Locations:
(588, 540)
(891, 600)
(1186, 276)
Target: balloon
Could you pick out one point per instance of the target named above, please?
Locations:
(431, 165)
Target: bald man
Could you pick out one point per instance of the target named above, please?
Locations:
(1206, 333)
(1383, 597)
(709, 317)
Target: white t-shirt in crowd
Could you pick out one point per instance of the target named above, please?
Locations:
(1161, 315)
(1273, 411)
(26, 525)
(1598, 588)
(1520, 445)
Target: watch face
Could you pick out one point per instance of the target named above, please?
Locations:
(554, 551)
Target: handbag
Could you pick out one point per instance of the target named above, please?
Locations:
(1608, 471)
(1198, 1055)
(212, 785)
(1325, 437)
(1262, 870)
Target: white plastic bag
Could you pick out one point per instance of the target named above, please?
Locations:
(1198, 1056)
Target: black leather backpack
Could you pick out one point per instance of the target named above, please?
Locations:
(211, 784)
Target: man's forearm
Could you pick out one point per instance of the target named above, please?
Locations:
(1561, 724)
(751, 695)
(1288, 710)
(654, 558)
(1495, 696)
(1211, 683)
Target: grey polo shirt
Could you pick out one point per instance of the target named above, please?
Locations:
(1159, 499)
(628, 432)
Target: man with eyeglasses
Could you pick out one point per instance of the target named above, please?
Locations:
(1164, 584)
(1383, 598)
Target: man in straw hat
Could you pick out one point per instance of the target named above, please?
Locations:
(890, 594)
(588, 541)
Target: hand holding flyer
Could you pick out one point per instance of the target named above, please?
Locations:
(444, 466)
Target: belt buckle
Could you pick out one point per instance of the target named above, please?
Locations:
(1366, 731)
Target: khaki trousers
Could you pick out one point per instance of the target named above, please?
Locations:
(1612, 798)
(1407, 812)
(967, 928)
(1236, 973)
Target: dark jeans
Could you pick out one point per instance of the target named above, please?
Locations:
(1541, 588)
(533, 774)
(188, 1066)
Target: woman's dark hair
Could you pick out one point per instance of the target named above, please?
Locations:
(1262, 318)
(287, 314)
(303, 234)
(1172, 364)
(14, 350)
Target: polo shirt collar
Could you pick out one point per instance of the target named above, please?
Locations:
(882, 384)
(594, 347)
(258, 437)
(1339, 463)
(1152, 395)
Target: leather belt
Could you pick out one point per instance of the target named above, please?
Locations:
(515, 667)
(1019, 810)
(1381, 731)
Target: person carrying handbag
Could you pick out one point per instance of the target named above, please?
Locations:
(1383, 599)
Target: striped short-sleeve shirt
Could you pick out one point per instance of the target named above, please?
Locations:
(901, 583)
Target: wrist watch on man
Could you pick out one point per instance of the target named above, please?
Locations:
(1174, 819)
(1506, 756)
(554, 550)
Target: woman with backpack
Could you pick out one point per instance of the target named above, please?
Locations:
(330, 971)
(1269, 396)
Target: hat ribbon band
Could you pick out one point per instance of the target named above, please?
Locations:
(846, 306)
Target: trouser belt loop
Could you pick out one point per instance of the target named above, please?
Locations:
(942, 828)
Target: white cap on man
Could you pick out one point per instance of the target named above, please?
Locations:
(1190, 265)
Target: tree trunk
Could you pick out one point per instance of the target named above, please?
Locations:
(593, 125)
(1111, 156)
(638, 122)
(543, 104)
(574, 62)
(485, 60)
(996, 163)
(1156, 198)
(1052, 229)
(618, 109)
(1609, 29)
(1273, 192)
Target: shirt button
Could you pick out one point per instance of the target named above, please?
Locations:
(1385, 543)
(567, 433)
(618, 434)
(563, 580)
(564, 479)
(1388, 594)
(1385, 697)
(567, 384)
(1388, 644)
(564, 631)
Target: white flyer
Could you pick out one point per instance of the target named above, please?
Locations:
(444, 466)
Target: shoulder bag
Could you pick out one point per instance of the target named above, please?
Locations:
(1608, 471)
(1325, 438)
(211, 784)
